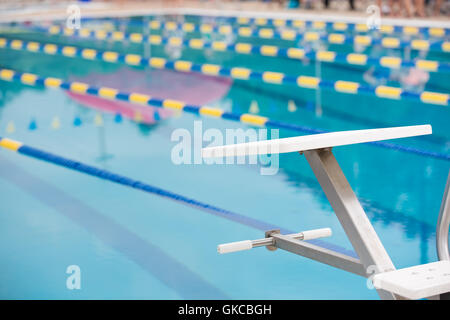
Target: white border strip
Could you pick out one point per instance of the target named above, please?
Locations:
(113, 12)
(107, 12)
(313, 17)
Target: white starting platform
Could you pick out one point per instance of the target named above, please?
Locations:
(421, 281)
(417, 282)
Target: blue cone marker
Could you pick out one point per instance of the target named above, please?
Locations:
(32, 125)
(118, 118)
(77, 121)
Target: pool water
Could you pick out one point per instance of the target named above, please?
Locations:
(133, 245)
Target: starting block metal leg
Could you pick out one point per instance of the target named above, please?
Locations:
(317, 253)
(350, 213)
(295, 243)
(442, 230)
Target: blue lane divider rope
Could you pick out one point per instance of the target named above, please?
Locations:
(141, 99)
(298, 23)
(19, 147)
(333, 25)
(352, 58)
(440, 45)
(238, 73)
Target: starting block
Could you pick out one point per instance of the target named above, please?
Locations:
(417, 282)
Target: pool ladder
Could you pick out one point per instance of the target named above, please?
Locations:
(444, 225)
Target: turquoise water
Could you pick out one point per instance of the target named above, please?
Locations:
(129, 244)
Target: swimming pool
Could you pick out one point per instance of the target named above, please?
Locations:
(130, 244)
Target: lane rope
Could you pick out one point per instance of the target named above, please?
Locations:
(441, 45)
(238, 73)
(323, 24)
(352, 58)
(333, 25)
(142, 99)
(39, 154)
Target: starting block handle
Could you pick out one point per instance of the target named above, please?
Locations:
(249, 244)
(234, 246)
(317, 233)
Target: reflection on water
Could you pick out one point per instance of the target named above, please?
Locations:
(401, 192)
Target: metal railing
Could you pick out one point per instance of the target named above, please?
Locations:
(444, 224)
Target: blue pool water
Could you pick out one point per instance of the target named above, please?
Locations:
(133, 245)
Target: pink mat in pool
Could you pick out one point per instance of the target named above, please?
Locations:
(191, 88)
